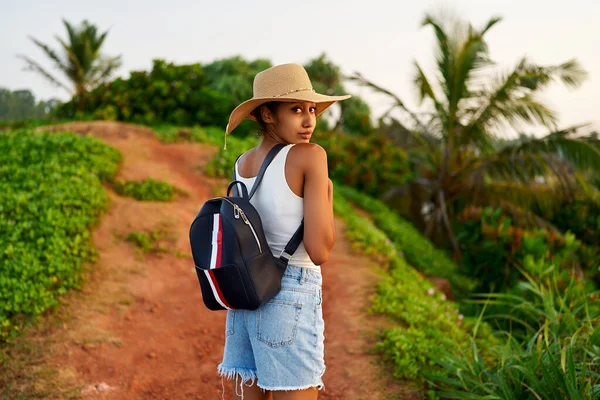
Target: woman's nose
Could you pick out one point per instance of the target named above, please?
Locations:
(309, 121)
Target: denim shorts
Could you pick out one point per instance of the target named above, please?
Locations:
(280, 345)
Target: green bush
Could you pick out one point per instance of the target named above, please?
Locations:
(554, 354)
(51, 194)
(493, 248)
(209, 135)
(418, 251)
(582, 217)
(222, 163)
(370, 164)
(146, 190)
(176, 94)
(147, 242)
(427, 323)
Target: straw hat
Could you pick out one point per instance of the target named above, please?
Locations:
(285, 82)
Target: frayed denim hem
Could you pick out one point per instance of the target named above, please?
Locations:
(244, 375)
(319, 386)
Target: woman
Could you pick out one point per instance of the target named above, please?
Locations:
(276, 351)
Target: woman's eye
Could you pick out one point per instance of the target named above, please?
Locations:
(313, 109)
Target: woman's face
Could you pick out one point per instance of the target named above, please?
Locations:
(293, 122)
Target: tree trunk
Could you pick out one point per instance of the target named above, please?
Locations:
(444, 211)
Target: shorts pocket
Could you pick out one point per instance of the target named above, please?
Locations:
(277, 322)
(229, 323)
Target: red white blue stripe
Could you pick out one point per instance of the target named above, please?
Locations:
(215, 261)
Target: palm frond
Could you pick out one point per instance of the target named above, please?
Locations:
(525, 197)
(513, 93)
(73, 68)
(524, 216)
(493, 21)
(103, 69)
(70, 31)
(52, 54)
(426, 91)
(525, 110)
(522, 168)
(444, 54)
(571, 73)
(469, 58)
(34, 66)
(579, 152)
(81, 62)
(357, 77)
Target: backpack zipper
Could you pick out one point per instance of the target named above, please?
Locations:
(237, 211)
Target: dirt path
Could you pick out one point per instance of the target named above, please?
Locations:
(139, 329)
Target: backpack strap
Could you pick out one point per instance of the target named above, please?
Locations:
(298, 236)
(263, 168)
(235, 187)
(261, 172)
(293, 244)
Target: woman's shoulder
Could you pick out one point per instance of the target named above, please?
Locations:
(307, 149)
(307, 155)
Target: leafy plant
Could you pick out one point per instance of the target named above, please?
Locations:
(147, 242)
(51, 194)
(416, 249)
(171, 133)
(427, 324)
(553, 355)
(494, 248)
(222, 163)
(146, 190)
(370, 164)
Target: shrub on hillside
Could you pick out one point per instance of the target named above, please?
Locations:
(551, 345)
(418, 251)
(51, 194)
(176, 94)
(370, 164)
(426, 323)
(493, 247)
(146, 190)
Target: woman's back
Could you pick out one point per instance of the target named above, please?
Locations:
(280, 208)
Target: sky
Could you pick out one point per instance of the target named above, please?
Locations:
(379, 39)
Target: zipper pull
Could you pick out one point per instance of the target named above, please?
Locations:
(244, 217)
(236, 211)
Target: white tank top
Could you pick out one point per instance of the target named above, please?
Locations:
(280, 209)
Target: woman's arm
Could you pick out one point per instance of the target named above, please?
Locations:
(330, 197)
(319, 229)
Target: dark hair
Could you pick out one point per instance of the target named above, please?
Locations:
(262, 125)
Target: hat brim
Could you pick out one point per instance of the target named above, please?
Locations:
(243, 111)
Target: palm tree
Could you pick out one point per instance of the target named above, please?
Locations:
(80, 62)
(456, 145)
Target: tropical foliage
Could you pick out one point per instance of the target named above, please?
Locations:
(551, 350)
(455, 142)
(167, 94)
(146, 190)
(50, 196)
(79, 59)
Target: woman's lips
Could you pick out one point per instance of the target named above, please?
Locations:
(305, 135)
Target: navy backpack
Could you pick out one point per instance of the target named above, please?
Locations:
(235, 267)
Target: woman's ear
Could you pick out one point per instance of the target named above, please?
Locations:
(267, 115)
